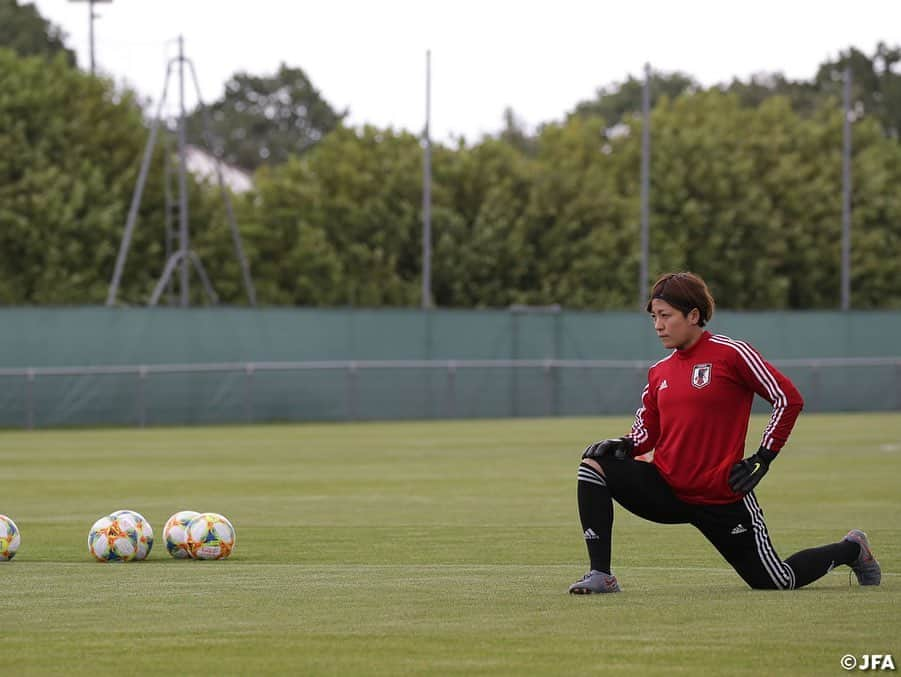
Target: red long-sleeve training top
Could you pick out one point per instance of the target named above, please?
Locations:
(695, 409)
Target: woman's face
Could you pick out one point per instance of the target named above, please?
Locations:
(675, 329)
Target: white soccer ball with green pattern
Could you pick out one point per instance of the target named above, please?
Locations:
(9, 539)
(114, 539)
(175, 533)
(145, 532)
(210, 536)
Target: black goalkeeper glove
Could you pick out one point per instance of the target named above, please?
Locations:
(746, 474)
(619, 448)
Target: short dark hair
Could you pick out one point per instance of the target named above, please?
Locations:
(685, 292)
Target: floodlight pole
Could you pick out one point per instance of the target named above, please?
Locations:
(91, 17)
(846, 194)
(645, 184)
(427, 189)
(91, 31)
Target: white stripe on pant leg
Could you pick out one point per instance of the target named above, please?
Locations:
(591, 476)
(765, 551)
(768, 555)
(788, 574)
(791, 575)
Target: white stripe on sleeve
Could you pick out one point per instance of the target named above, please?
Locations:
(765, 378)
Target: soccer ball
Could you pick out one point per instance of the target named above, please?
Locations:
(210, 536)
(176, 535)
(9, 538)
(145, 532)
(114, 539)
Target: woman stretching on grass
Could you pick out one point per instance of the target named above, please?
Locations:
(694, 415)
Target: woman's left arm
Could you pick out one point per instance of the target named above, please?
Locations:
(776, 388)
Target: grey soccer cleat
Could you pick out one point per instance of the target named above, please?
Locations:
(594, 582)
(865, 567)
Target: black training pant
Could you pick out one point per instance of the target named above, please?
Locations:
(737, 530)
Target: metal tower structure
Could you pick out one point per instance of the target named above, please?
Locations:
(184, 257)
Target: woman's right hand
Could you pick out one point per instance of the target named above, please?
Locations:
(619, 448)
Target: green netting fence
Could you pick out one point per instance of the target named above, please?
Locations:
(161, 366)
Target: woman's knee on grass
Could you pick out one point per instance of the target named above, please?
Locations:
(594, 465)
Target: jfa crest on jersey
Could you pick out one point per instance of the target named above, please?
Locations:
(700, 375)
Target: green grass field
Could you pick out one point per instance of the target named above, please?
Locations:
(426, 548)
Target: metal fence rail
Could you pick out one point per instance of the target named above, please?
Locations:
(545, 387)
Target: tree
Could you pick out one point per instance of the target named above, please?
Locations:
(481, 254)
(876, 84)
(728, 183)
(26, 32)
(341, 225)
(875, 216)
(876, 87)
(265, 119)
(70, 148)
(292, 258)
(750, 196)
(580, 220)
(805, 96)
(614, 102)
(516, 133)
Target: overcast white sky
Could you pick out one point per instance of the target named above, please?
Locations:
(539, 57)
